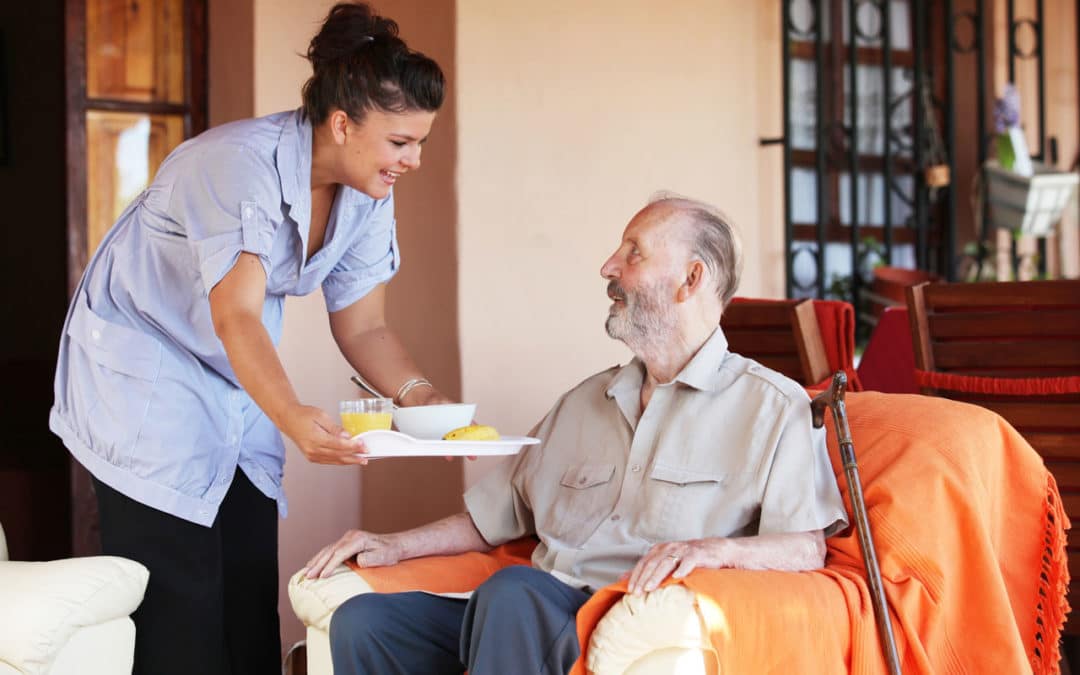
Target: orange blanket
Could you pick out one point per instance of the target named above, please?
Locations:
(970, 535)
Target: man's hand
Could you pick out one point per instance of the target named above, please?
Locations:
(790, 552)
(677, 558)
(369, 550)
(320, 438)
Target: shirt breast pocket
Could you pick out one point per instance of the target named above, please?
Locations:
(112, 386)
(683, 503)
(581, 500)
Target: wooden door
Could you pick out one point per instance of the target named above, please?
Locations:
(136, 88)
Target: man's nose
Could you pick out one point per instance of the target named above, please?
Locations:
(609, 269)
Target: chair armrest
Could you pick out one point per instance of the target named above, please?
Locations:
(46, 602)
(314, 600)
(660, 626)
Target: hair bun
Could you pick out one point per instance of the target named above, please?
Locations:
(348, 27)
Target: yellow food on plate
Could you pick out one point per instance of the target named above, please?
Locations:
(473, 432)
(359, 422)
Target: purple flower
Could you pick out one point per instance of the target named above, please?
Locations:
(1007, 110)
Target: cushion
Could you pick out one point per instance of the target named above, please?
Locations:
(105, 649)
(46, 602)
(638, 626)
(314, 600)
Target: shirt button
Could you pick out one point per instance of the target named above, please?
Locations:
(636, 468)
(247, 212)
(616, 517)
(96, 334)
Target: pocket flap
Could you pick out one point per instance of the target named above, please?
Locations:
(685, 476)
(587, 475)
(114, 346)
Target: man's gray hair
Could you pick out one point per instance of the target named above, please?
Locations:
(714, 240)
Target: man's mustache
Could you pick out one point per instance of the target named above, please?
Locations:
(615, 290)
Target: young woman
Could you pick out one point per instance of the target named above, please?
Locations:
(169, 389)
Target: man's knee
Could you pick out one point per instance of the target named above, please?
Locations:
(358, 618)
(511, 583)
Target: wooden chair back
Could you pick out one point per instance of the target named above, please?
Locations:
(780, 334)
(1012, 330)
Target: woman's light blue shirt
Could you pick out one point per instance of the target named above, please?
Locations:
(146, 398)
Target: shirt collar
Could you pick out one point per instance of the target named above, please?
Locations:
(700, 372)
(294, 168)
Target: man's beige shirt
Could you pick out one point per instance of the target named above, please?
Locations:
(725, 450)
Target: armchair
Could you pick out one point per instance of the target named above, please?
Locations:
(68, 617)
(969, 528)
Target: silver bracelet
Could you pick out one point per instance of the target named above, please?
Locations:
(409, 386)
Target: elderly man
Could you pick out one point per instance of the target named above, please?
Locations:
(689, 456)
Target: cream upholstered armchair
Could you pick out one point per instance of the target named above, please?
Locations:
(68, 617)
(658, 633)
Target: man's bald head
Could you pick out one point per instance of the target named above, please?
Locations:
(709, 236)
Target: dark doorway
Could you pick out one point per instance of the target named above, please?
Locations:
(34, 493)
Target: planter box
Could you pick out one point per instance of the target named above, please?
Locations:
(1032, 205)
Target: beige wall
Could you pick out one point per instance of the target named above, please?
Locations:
(570, 115)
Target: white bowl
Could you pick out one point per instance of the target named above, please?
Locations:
(432, 422)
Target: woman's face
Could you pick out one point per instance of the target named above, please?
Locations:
(378, 150)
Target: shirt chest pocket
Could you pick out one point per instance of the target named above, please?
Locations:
(688, 503)
(583, 497)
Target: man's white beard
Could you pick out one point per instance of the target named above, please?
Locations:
(645, 321)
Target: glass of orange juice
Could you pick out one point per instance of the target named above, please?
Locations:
(366, 414)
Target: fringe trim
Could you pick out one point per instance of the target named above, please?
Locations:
(1005, 386)
(1053, 602)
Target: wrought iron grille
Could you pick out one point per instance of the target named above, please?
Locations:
(870, 130)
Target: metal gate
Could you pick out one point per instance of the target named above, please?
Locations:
(870, 131)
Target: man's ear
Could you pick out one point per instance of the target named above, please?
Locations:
(339, 126)
(695, 276)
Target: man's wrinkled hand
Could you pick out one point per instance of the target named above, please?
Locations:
(674, 558)
(321, 438)
(366, 548)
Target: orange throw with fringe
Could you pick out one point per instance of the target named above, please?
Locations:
(970, 534)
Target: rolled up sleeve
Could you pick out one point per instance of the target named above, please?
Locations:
(801, 494)
(223, 210)
(371, 260)
(496, 504)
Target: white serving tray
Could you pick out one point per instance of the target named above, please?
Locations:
(384, 443)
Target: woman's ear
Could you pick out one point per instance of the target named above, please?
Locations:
(695, 274)
(339, 126)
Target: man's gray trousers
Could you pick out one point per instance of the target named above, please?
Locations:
(519, 621)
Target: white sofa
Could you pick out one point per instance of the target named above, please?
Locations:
(659, 633)
(68, 617)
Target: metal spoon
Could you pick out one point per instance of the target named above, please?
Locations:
(368, 387)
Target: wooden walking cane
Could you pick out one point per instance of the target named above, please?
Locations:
(833, 398)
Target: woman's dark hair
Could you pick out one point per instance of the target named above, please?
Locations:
(361, 64)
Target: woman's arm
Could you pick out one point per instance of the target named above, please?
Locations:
(374, 350)
(236, 305)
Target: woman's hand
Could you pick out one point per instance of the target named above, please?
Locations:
(320, 437)
(426, 396)
(369, 550)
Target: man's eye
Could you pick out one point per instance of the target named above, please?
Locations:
(400, 144)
